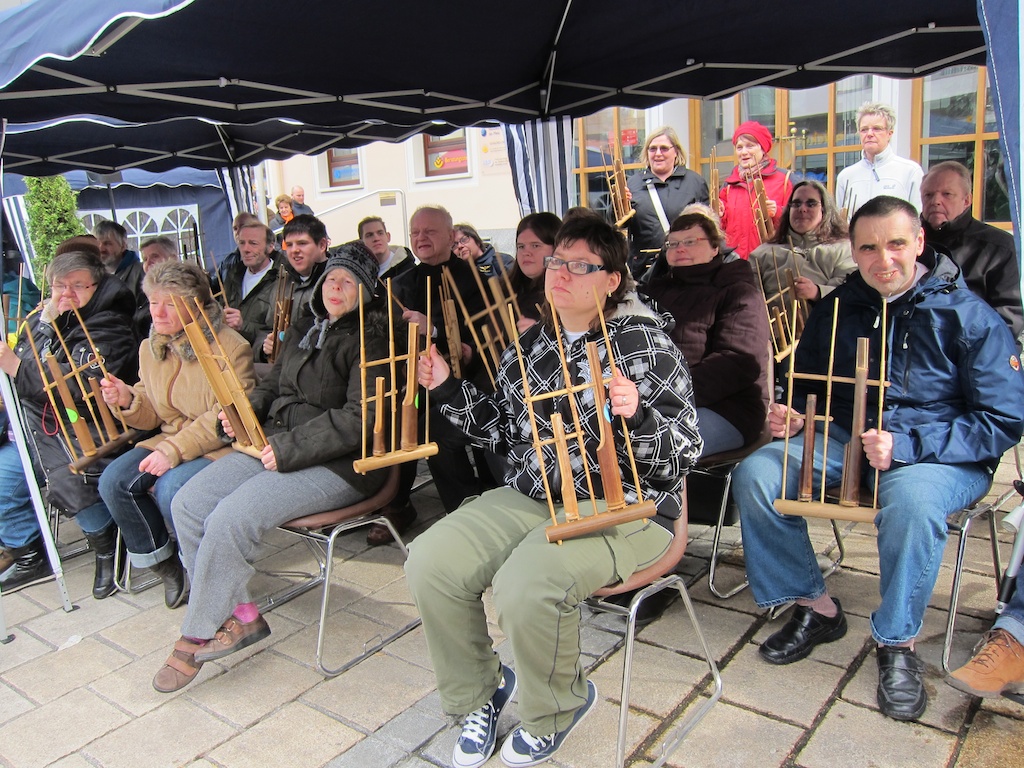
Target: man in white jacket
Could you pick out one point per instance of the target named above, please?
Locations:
(880, 171)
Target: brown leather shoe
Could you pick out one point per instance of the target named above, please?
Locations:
(180, 669)
(401, 517)
(234, 636)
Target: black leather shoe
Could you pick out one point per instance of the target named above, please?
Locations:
(901, 693)
(30, 563)
(804, 630)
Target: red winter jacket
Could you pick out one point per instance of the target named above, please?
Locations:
(738, 218)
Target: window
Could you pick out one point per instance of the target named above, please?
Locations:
(343, 168)
(445, 155)
(624, 129)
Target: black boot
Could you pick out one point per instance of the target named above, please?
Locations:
(102, 544)
(173, 576)
(30, 564)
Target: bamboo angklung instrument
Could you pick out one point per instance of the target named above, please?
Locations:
(846, 504)
(451, 325)
(486, 327)
(283, 294)
(759, 206)
(780, 323)
(111, 434)
(393, 405)
(715, 179)
(621, 208)
(222, 377)
(616, 510)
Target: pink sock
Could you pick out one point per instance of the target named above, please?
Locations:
(823, 606)
(196, 640)
(246, 612)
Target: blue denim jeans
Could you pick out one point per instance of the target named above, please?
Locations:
(18, 523)
(913, 500)
(719, 434)
(144, 517)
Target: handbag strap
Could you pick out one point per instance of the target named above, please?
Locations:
(656, 202)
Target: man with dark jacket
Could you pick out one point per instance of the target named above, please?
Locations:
(118, 260)
(954, 404)
(305, 246)
(986, 255)
(250, 282)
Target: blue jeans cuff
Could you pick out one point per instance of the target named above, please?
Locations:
(149, 559)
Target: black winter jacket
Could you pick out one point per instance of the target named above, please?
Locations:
(645, 231)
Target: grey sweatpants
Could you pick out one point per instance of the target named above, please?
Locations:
(220, 516)
(498, 539)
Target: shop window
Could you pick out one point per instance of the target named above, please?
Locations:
(445, 155)
(343, 169)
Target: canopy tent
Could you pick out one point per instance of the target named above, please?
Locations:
(325, 64)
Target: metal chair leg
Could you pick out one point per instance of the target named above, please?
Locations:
(715, 554)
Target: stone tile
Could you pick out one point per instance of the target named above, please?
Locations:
(57, 729)
(373, 692)
(412, 648)
(131, 686)
(369, 753)
(345, 637)
(305, 609)
(1004, 706)
(947, 707)
(598, 643)
(72, 761)
(269, 681)
(391, 605)
(171, 735)
(410, 730)
(23, 648)
(750, 681)
(723, 628)
(660, 679)
(18, 609)
(12, 704)
(841, 652)
(735, 737)
(851, 736)
(377, 568)
(55, 628)
(726, 577)
(593, 741)
(54, 674)
(146, 631)
(313, 739)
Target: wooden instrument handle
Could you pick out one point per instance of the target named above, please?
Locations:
(807, 461)
(853, 457)
(115, 445)
(569, 501)
(378, 419)
(607, 460)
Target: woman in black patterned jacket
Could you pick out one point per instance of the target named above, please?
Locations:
(498, 539)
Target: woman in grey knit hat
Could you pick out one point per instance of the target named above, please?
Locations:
(310, 408)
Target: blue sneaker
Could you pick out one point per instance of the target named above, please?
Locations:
(521, 748)
(480, 728)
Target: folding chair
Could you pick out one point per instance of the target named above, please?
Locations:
(650, 581)
(320, 532)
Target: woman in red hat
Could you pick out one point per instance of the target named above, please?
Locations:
(752, 142)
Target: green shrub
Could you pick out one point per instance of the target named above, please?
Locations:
(52, 217)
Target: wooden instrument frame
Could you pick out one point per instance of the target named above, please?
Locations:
(621, 206)
(493, 327)
(759, 206)
(114, 434)
(222, 377)
(847, 504)
(450, 316)
(284, 293)
(616, 510)
(787, 312)
(403, 444)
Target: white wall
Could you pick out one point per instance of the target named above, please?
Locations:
(484, 197)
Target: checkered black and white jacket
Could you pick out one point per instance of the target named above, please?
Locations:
(663, 431)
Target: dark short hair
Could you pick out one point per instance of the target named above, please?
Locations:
(108, 227)
(72, 261)
(832, 226)
(305, 224)
(268, 233)
(708, 224)
(605, 242)
(370, 220)
(885, 205)
(470, 231)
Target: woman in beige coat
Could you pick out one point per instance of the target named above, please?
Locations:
(174, 397)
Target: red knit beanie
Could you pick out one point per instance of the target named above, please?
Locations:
(755, 130)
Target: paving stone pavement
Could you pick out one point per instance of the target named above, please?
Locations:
(75, 687)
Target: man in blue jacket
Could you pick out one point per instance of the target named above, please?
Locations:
(954, 404)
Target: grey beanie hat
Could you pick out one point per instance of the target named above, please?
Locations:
(358, 260)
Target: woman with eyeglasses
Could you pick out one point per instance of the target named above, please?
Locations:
(736, 199)
(721, 329)
(78, 282)
(812, 242)
(470, 247)
(659, 193)
(498, 539)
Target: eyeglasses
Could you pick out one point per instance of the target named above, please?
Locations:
(809, 204)
(574, 267)
(464, 240)
(654, 149)
(76, 287)
(680, 245)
